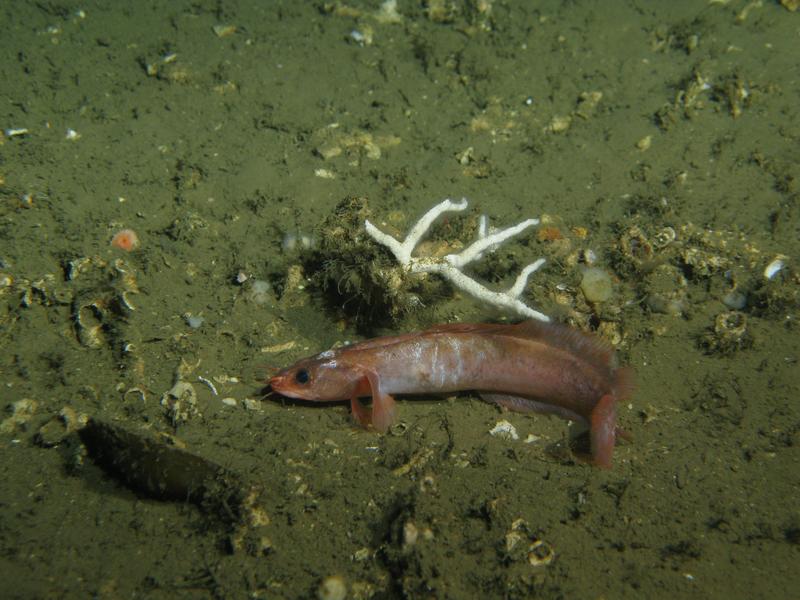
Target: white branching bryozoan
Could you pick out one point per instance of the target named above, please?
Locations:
(451, 266)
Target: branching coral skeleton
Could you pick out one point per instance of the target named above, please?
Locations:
(451, 266)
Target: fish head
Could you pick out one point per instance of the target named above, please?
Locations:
(319, 378)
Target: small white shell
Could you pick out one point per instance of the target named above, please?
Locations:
(505, 430)
(774, 267)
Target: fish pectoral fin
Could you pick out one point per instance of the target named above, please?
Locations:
(383, 411)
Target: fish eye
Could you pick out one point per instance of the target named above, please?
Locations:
(302, 376)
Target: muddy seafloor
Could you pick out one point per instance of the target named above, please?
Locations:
(657, 141)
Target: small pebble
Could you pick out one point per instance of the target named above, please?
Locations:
(251, 404)
(193, 321)
(296, 241)
(260, 291)
(332, 588)
(596, 285)
(735, 300)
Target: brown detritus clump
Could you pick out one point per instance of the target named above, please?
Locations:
(359, 277)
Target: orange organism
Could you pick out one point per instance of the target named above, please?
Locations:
(549, 234)
(125, 239)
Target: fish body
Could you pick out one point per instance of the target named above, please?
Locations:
(528, 366)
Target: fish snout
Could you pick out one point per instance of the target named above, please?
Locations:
(279, 383)
(286, 385)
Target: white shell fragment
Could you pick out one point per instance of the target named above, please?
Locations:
(505, 430)
(17, 131)
(774, 267)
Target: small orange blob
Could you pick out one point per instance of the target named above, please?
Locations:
(549, 234)
(581, 232)
(125, 239)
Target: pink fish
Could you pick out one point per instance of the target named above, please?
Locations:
(530, 366)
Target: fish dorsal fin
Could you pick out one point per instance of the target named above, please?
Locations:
(466, 328)
(381, 342)
(593, 349)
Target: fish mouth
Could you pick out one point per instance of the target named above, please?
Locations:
(282, 385)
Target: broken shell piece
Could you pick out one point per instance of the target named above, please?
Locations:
(774, 267)
(664, 238)
(667, 290)
(88, 319)
(20, 412)
(222, 31)
(523, 544)
(540, 554)
(504, 429)
(180, 402)
(729, 334)
(54, 431)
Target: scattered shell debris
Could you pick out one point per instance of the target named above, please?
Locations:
(331, 142)
(208, 383)
(58, 427)
(100, 294)
(505, 430)
(585, 108)
(181, 399)
(412, 534)
(362, 554)
(277, 348)
(385, 14)
(417, 461)
(523, 544)
(729, 333)
(181, 402)
(20, 412)
(663, 264)
(135, 391)
(324, 174)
